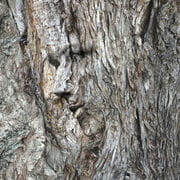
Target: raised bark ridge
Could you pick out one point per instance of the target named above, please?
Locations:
(89, 89)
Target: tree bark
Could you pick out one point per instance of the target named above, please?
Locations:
(89, 89)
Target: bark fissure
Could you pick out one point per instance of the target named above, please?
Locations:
(138, 124)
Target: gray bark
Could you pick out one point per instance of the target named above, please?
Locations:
(89, 89)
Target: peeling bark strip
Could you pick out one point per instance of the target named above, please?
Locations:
(89, 89)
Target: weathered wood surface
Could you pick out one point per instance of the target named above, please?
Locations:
(89, 89)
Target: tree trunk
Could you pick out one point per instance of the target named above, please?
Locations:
(89, 89)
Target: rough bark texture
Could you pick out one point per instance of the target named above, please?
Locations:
(89, 89)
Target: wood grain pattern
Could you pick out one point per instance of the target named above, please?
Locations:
(89, 89)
